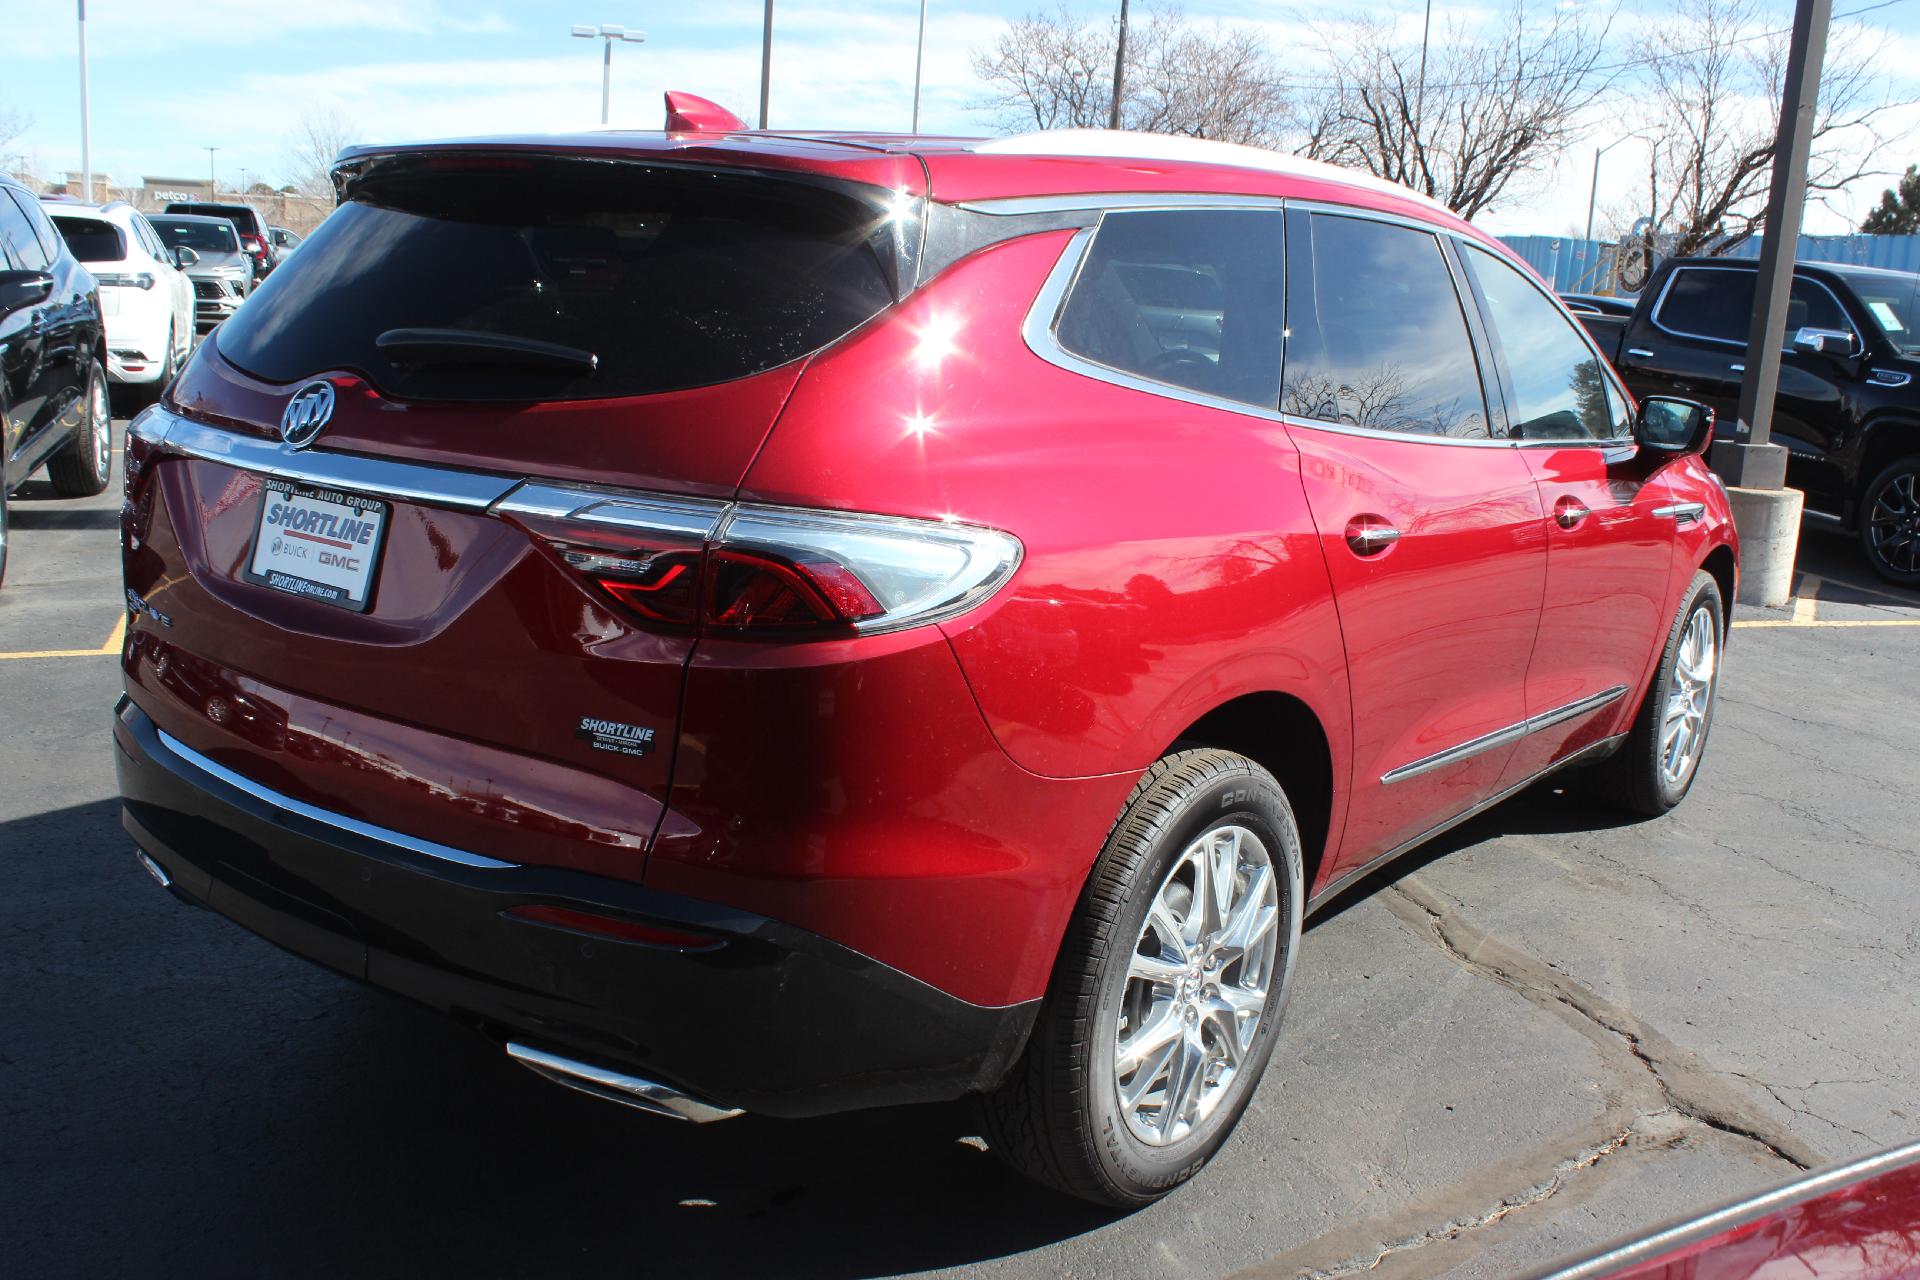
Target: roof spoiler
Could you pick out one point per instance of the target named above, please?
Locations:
(690, 113)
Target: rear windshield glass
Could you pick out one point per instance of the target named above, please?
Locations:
(218, 237)
(241, 216)
(91, 239)
(667, 279)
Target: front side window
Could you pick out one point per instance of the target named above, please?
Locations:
(1192, 298)
(1558, 384)
(1377, 337)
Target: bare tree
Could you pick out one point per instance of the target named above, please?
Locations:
(1713, 82)
(12, 125)
(1495, 102)
(1055, 71)
(316, 140)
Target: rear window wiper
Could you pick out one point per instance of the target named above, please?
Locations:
(481, 349)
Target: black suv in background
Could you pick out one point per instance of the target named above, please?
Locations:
(245, 219)
(53, 360)
(1848, 408)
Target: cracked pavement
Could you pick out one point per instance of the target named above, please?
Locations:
(1544, 1031)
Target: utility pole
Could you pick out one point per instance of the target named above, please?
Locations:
(1119, 71)
(1420, 97)
(1767, 513)
(213, 189)
(766, 62)
(919, 57)
(86, 140)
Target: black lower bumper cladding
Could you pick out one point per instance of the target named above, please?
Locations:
(772, 1019)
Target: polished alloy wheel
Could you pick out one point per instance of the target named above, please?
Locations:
(99, 427)
(1196, 984)
(1894, 523)
(1683, 731)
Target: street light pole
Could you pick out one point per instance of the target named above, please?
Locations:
(766, 62)
(213, 188)
(86, 140)
(608, 33)
(919, 57)
(1119, 71)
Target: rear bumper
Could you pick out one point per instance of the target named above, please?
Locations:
(770, 1018)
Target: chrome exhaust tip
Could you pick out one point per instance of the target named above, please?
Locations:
(154, 869)
(614, 1086)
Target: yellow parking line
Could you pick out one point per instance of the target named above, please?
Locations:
(1803, 608)
(111, 647)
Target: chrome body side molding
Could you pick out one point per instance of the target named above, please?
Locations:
(617, 1086)
(1601, 748)
(1500, 737)
(286, 804)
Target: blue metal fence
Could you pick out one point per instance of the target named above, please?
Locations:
(1573, 265)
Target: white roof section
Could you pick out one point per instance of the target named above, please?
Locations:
(1122, 144)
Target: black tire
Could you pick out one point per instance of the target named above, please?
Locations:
(1058, 1118)
(1635, 778)
(1890, 522)
(84, 465)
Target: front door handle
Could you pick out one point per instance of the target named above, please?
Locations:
(1640, 353)
(1736, 368)
(1569, 512)
(1369, 535)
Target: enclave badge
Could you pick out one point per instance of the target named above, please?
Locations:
(306, 413)
(612, 735)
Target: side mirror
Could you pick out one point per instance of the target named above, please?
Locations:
(1823, 342)
(184, 257)
(1670, 425)
(24, 288)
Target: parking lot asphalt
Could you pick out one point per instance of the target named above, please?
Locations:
(1546, 1030)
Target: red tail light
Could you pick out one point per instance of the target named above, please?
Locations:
(737, 567)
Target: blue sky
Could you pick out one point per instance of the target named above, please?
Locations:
(170, 77)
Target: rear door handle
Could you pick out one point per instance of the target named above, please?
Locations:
(1640, 353)
(1737, 368)
(1369, 535)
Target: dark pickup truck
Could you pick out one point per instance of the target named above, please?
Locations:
(1848, 408)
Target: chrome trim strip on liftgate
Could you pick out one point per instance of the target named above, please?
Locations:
(324, 817)
(380, 477)
(1500, 737)
(617, 1086)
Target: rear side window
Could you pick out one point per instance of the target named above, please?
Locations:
(1559, 387)
(18, 244)
(657, 279)
(1193, 298)
(1377, 336)
(91, 239)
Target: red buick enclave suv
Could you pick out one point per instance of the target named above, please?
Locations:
(794, 622)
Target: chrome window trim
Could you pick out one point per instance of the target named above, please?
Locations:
(1653, 317)
(379, 477)
(1043, 316)
(1500, 737)
(324, 817)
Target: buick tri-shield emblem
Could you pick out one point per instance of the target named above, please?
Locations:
(306, 414)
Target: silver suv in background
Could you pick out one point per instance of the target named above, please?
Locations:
(222, 274)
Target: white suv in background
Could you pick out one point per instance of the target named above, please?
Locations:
(145, 296)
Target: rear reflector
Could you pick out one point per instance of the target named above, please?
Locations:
(615, 927)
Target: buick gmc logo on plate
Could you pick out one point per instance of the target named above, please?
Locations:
(305, 414)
